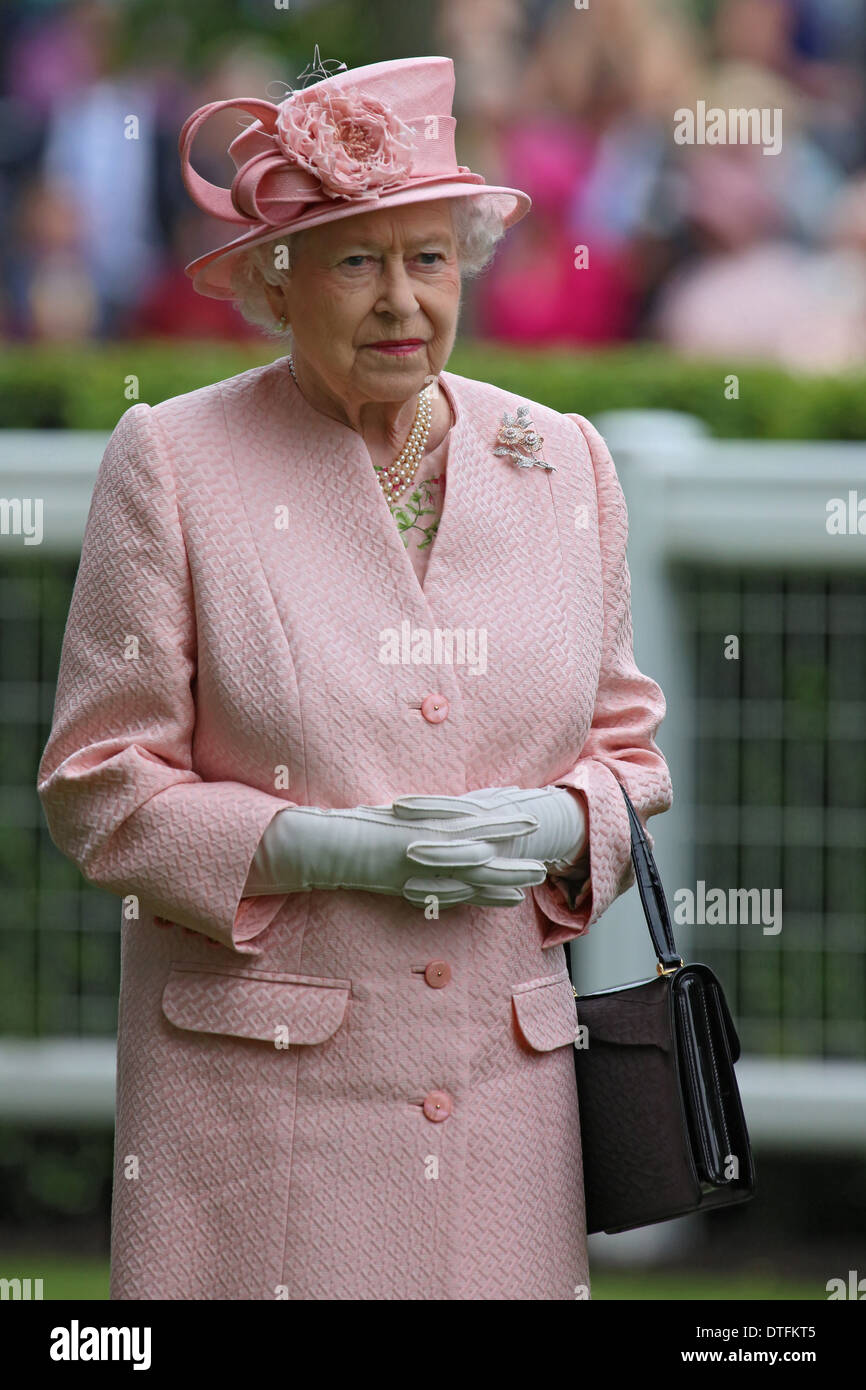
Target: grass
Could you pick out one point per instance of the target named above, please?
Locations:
(76, 1277)
(682, 1286)
(63, 1276)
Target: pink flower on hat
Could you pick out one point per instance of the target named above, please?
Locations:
(353, 143)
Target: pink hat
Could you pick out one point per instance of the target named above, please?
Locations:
(362, 139)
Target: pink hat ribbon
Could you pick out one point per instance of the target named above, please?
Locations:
(315, 148)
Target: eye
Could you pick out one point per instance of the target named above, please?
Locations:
(437, 255)
(355, 261)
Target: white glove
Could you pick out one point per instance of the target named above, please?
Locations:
(559, 838)
(377, 849)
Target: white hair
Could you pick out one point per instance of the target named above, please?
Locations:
(479, 226)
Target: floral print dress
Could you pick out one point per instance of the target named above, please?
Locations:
(418, 510)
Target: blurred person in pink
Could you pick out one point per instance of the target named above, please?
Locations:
(590, 138)
(548, 287)
(758, 294)
(758, 283)
(356, 779)
(51, 55)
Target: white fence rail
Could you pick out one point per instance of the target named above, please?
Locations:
(69, 1082)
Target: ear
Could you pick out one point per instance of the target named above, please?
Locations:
(275, 299)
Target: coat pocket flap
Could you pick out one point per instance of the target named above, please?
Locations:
(284, 1010)
(546, 1012)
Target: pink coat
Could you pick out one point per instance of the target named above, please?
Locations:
(326, 1094)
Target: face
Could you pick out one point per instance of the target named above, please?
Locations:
(389, 275)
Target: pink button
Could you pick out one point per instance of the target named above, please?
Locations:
(437, 1106)
(434, 708)
(437, 974)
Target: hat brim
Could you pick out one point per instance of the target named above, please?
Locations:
(211, 274)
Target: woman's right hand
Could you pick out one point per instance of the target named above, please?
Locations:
(378, 849)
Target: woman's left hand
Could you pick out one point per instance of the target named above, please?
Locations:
(559, 840)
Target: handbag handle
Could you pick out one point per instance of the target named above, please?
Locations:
(652, 896)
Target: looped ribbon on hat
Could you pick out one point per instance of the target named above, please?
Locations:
(268, 187)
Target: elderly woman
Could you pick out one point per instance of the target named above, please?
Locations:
(349, 756)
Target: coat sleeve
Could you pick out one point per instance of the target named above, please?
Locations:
(116, 779)
(620, 746)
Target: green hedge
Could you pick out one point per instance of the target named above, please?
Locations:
(71, 387)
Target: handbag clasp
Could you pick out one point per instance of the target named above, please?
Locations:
(671, 970)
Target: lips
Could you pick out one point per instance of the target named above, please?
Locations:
(387, 344)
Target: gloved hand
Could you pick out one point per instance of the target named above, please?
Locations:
(559, 838)
(377, 849)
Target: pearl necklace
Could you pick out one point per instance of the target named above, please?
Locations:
(396, 477)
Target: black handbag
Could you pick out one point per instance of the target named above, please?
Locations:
(662, 1127)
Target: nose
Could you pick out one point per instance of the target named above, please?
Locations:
(396, 293)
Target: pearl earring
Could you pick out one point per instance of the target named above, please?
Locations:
(282, 324)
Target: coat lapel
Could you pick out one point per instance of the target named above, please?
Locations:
(309, 488)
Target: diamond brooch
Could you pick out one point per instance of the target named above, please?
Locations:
(520, 440)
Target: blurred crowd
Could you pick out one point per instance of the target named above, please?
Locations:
(708, 248)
